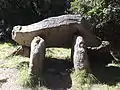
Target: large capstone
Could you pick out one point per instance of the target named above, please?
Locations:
(56, 31)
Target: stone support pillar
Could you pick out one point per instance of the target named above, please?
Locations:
(37, 56)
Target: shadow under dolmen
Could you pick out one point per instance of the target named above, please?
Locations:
(101, 64)
(57, 72)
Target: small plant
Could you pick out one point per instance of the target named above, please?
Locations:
(81, 78)
(59, 53)
(24, 77)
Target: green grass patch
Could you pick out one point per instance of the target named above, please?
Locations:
(27, 81)
(13, 61)
(6, 59)
(80, 80)
(6, 49)
(85, 81)
(59, 53)
(24, 78)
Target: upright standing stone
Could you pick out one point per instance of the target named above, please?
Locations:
(37, 56)
(80, 58)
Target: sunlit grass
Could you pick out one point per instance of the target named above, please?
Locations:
(6, 58)
(6, 49)
(113, 64)
(80, 80)
(104, 87)
(13, 61)
(59, 53)
(24, 78)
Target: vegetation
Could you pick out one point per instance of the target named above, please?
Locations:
(56, 53)
(104, 16)
(82, 77)
(22, 12)
(80, 80)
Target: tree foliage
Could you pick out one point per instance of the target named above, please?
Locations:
(30, 10)
(14, 12)
(90, 9)
(104, 15)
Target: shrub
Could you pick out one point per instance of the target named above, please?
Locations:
(22, 12)
(104, 15)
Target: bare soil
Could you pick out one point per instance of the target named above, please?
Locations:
(56, 76)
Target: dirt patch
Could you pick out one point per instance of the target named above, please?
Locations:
(8, 79)
(56, 75)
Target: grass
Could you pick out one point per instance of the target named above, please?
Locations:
(24, 79)
(80, 80)
(6, 49)
(6, 59)
(59, 53)
(82, 77)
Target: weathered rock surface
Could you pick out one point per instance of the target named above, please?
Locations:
(56, 31)
(23, 51)
(80, 58)
(37, 56)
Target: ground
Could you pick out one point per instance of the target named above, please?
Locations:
(58, 72)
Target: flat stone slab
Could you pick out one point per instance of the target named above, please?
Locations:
(56, 31)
